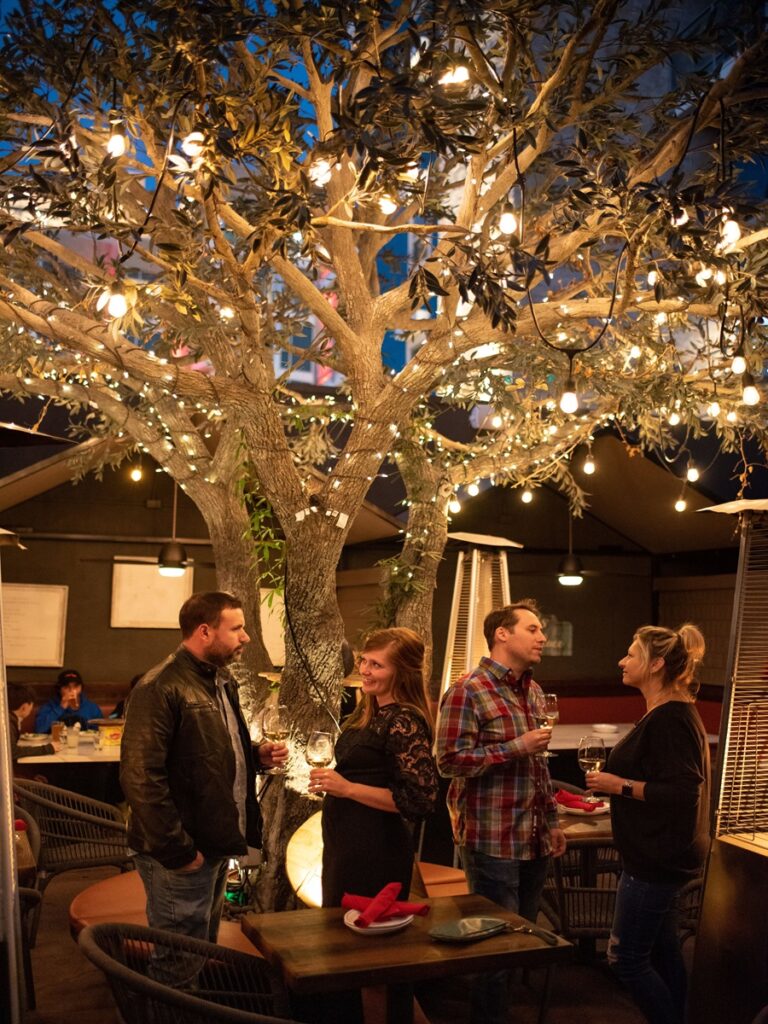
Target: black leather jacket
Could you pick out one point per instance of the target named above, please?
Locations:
(177, 768)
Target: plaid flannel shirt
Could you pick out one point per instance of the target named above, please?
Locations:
(500, 799)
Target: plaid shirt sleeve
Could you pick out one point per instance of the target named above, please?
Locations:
(460, 747)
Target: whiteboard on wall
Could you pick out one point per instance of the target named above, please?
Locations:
(34, 624)
(143, 599)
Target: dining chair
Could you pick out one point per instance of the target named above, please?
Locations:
(203, 982)
(585, 882)
(74, 832)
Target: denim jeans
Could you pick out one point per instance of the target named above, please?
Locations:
(188, 902)
(516, 885)
(644, 949)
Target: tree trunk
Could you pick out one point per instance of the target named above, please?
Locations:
(310, 687)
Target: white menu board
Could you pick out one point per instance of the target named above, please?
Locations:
(143, 599)
(34, 624)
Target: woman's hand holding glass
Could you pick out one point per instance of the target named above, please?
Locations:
(326, 780)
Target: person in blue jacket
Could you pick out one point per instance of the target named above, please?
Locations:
(70, 705)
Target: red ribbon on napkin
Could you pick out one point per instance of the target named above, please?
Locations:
(574, 800)
(398, 909)
(380, 904)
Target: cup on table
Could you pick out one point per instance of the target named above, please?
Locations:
(56, 730)
(73, 739)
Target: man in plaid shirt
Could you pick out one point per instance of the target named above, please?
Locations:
(502, 808)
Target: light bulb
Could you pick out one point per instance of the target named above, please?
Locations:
(660, 318)
(653, 277)
(680, 218)
(496, 421)
(569, 400)
(731, 416)
(320, 172)
(703, 276)
(136, 473)
(171, 571)
(692, 474)
(635, 352)
(387, 205)
(750, 395)
(116, 143)
(681, 505)
(192, 145)
(508, 223)
(570, 581)
(730, 232)
(713, 408)
(117, 305)
(454, 506)
(720, 276)
(739, 364)
(473, 490)
(673, 419)
(526, 497)
(227, 313)
(457, 75)
(589, 465)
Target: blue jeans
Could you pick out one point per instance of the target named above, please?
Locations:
(644, 949)
(516, 885)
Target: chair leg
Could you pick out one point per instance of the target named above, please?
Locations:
(546, 992)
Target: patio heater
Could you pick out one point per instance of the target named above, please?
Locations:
(480, 585)
(10, 952)
(730, 970)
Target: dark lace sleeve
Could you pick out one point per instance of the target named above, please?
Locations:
(414, 776)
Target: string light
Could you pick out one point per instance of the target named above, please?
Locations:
(526, 497)
(569, 400)
(454, 506)
(136, 473)
(681, 505)
(508, 222)
(750, 395)
(673, 419)
(320, 172)
(589, 465)
(739, 363)
(473, 490)
(387, 205)
(456, 75)
(117, 143)
(692, 474)
(713, 408)
(192, 145)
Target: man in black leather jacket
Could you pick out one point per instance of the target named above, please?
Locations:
(187, 770)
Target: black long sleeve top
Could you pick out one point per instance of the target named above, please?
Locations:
(665, 837)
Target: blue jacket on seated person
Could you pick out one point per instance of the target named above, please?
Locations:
(70, 705)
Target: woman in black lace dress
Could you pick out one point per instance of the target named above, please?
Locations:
(385, 775)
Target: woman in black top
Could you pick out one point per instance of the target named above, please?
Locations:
(384, 773)
(658, 781)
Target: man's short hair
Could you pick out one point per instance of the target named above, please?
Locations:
(205, 608)
(19, 694)
(507, 618)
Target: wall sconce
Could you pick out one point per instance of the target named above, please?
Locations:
(172, 559)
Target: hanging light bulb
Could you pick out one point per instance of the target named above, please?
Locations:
(508, 222)
(117, 143)
(496, 421)
(692, 474)
(320, 172)
(739, 364)
(750, 395)
(192, 145)
(653, 277)
(635, 352)
(713, 408)
(569, 572)
(589, 465)
(473, 490)
(569, 400)
(526, 497)
(136, 473)
(680, 217)
(681, 505)
(454, 506)
(704, 275)
(730, 232)
(731, 416)
(673, 419)
(113, 300)
(456, 74)
(387, 205)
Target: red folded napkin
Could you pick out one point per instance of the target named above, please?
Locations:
(398, 909)
(574, 800)
(379, 905)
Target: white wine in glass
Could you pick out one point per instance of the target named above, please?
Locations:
(319, 750)
(276, 727)
(591, 754)
(550, 716)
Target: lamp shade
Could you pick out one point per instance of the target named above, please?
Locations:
(172, 560)
(569, 572)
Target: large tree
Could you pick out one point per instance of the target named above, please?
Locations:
(518, 199)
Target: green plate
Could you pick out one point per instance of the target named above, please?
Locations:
(468, 929)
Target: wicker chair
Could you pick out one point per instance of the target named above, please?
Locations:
(212, 983)
(586, 878)
(75, 832)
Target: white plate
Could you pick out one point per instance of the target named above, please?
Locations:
(395, 924)
(605, 727)
(605, 809)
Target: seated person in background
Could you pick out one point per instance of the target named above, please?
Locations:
(21, 701)
(70, 705)
(119, 711)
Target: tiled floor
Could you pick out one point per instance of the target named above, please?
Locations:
(70, 989)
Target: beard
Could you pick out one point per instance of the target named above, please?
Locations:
(221, 656)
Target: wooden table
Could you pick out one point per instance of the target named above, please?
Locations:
(317, 953)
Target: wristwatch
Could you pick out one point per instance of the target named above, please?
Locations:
(626, 788)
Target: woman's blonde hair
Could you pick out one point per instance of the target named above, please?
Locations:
(405, 649)
(681, 650)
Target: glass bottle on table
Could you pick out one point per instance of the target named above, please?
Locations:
(276, 727)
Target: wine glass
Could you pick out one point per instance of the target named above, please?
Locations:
(319, 751)
(591, 753)
(276, 727)
(549, 717)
